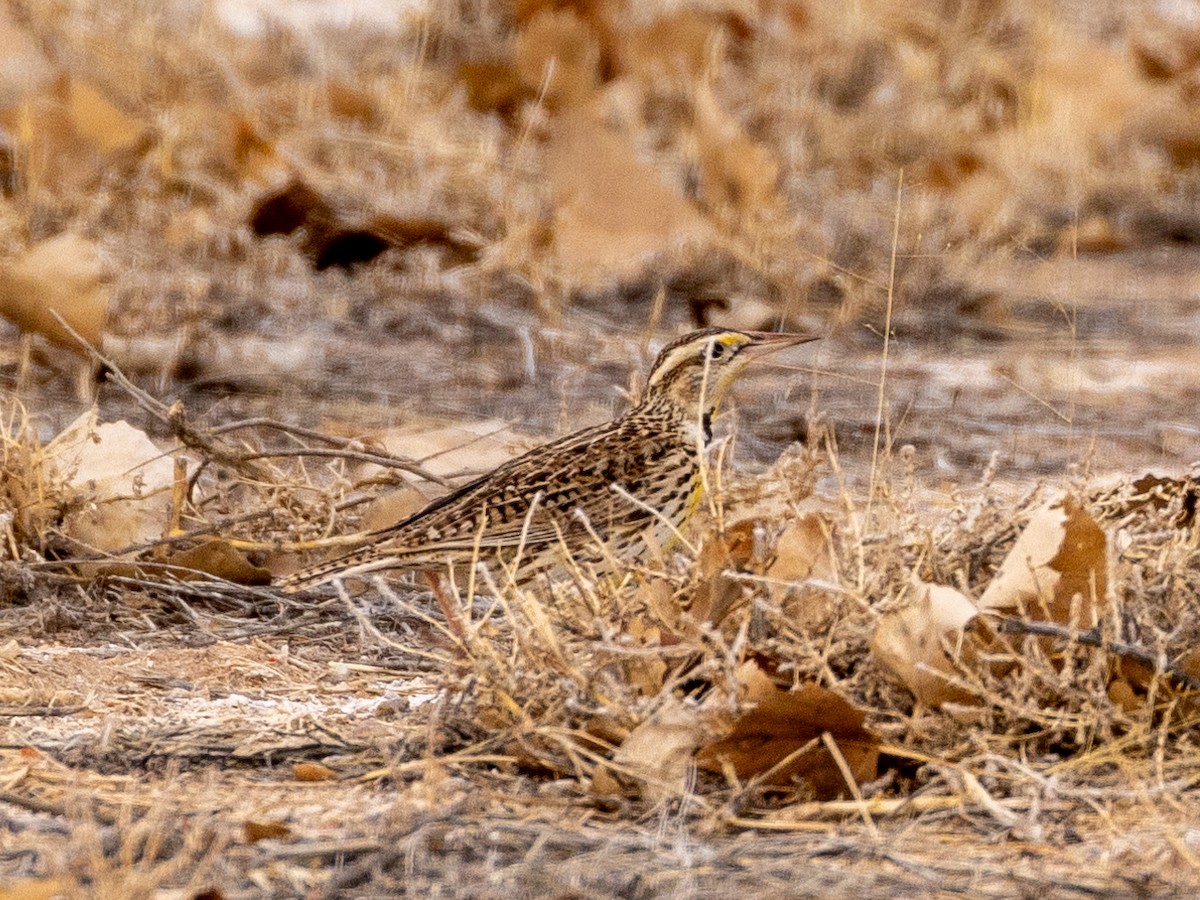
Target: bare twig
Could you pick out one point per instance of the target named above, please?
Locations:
(1093, 638)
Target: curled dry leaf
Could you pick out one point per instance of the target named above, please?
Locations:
(335, 238)
(773, 740)
(716, 591)
(659, 751)
(453, 450)
(918, 643)
(71, 135)
(241, 150)
(676, 44)
(613, 215)
(1123, 694)
(62, 275)
(1132, 681)
(754, 685)
(803, 555)
(493, 85)
(218, 558)
(558, 57)
(311, 771)
(395, 506)
(354, 102)
(605, 783)
(255, 831)
(282, 211)
(735, 172)
(39, 888)
(1062, 554)
(112, 481)
(647, 673)
(1149, 494)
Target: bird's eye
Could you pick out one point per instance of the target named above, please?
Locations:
(716, 350)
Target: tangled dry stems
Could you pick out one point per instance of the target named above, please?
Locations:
(1048, 746)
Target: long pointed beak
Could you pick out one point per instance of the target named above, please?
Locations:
(765, 342)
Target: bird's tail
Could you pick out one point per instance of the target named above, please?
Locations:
(357, 562)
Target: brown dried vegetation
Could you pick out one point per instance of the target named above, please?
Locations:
(263, 283)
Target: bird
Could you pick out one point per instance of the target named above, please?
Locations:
(592, 496)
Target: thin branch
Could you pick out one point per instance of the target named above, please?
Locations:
(1093, 638)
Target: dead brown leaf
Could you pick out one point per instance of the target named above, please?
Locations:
(311, 771)
(716, 590)
(1155, 492)
(735, 172)
(605, 783)
(1062, 554)
(646, 673)
(614, 215)
(350, 100)
(919, 642)
(113, 482)
(493, 86)
(39, 888)
(254, 831)
(286, 209)
(218, 558)
(676, 44)
(395, 506)
(63, 275)
(754, 685)
(659, 751)
(241, 149)
(1122, 693)
(773, 739)
(558, 58)
(803, 553)
(71, 134)
(336, 238)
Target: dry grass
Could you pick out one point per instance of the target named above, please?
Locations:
(153, 727)
(169, 720)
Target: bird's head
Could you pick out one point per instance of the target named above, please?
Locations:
(696, 370)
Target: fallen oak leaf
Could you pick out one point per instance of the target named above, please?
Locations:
(335, 240)
(645, 672)
(735, 172)
(70, 135)
(558, 56)
(1138, 665)
(754, 684)
(39, 888)
(713, 594)
(291, 207)
(494, 86)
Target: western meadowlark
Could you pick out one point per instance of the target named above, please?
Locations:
(589, 496)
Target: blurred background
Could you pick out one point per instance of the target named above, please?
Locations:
(360, 214)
